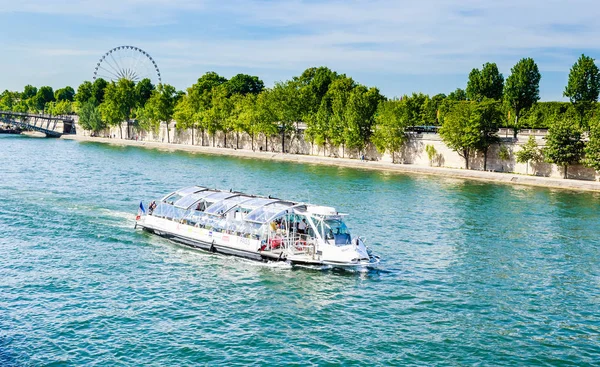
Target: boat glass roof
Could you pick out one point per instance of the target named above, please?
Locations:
(226, 205)
(190, 190)
(257, 203)
(265, 213)
(218, 196)
(191, 199)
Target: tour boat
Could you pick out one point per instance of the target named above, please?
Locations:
(255, 227)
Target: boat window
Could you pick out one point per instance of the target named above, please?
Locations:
(335, 229)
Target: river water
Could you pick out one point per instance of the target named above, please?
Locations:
(472, 273)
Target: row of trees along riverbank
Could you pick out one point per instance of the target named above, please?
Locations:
(339, 112)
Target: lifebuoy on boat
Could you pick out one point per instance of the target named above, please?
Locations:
(300, 245)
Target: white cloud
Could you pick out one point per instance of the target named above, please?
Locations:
(381, 36)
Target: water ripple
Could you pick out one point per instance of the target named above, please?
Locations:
(472, 273)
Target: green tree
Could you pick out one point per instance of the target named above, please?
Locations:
(29, 92)
(44, 95)
(460, 131)
(59, 108)
(9, 100)
(90, 117)
(418, 112)
(185, 115)
(266, 116)
(314, 84)
(583, 86)
(529, 152)
(65, 94)
(485, 83)
(592, 148)
(287, 106)
(244, 84)
(391, 121)
(522, 89)
(98, 90)
(318, 130)
(143, 91)
(84, 92)
(339, 93)
(360, 116)
(458, 95)
(159, 108)
(563, 144)
(217, 114)
(432, 109)
(208, 81)
(488, 116)
(431, 153)
(118, 102)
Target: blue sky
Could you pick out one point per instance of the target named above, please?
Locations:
(398, 46)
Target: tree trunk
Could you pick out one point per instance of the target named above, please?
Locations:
(266, 143)
(121, 130)
(237, 140)
(466, 155)
(225, 141)
(282, 140)
(485, 153)
(168, 136)
(527, 168)
(202, 137)
(565, 171)
(213, 136)
(192, 134)
(515, 128)
(343, 150)
(252, 137)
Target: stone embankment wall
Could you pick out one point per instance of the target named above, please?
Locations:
(413, 152)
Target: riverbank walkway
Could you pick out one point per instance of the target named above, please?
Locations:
(497, 177)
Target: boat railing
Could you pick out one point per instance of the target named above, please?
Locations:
(301, 243)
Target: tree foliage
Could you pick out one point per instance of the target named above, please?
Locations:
(118, 102)
(461, 130)
(391, 122)
(64, 94)
(583, 86)
(90, 117)
(592, 148)
(522, 88)
(245, 84)
(563, 143)
(458, 95)
(529, 152)
(485, 83)
(159, 108)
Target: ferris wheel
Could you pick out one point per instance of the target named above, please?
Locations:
(127, 62)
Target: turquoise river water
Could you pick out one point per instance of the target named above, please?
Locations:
(472, 273)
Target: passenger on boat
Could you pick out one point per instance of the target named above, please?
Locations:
(302, 226)
(151, 207)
